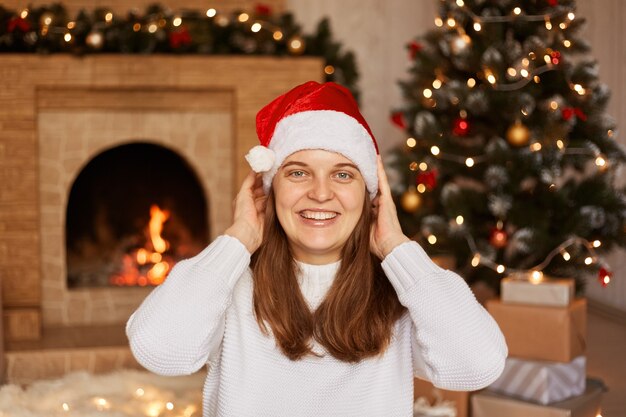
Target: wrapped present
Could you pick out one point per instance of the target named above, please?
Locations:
(426, 394)
(539, 290)
(490, 404)
(542, 382)
(542, 333)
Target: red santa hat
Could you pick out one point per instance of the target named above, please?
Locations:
(314, 116)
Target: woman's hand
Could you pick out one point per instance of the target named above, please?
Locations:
(249, 213)
(386, 232)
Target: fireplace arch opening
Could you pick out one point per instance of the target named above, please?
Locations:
(132, 213)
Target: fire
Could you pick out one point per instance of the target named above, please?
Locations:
(149, 258)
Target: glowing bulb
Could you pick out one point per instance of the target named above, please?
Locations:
(421, 188)
(434, 150)
(459, 220)
(525, 62)
(600, 162)
(609, 133)
(427, 93)
(413, 166)
(460, 3)
(517, 11)
(469, 162)
(67, 37)
(169, 406)
(423, 166)
(329, 69)
(588, 260)
(560, 144)
(477, 26)
(535, 147)
(548, 59)
(137, 27)
(562, 25)
(432, 239)
(411, 142)
(597, 243)
(256, 27)
(566, 255)
(152, 28)
(66, 407)
(177, 21)
(437, 84)
(536, 277)
(511, 71)
(491, 78)
(524, 72)
(500, 269)
(548, 24)
(71, 25)
(571, 16)
(451, 22)
(471, 82)
(139, 392)
(243, 17)
(24, 14)
(278, 35)
(554, 105)
(438, 22)
(47, 20)
(606, 280)
(211, 12)
(476, 260)
(108, 17)
(567, 43)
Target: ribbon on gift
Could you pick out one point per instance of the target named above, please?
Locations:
(441, 408)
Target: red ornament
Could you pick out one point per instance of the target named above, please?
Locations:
(553, 3)
(414, 48)
(568, 112)
(604, 276)
(180, 38)
(428, 178)
(263, 9)
(498, 238)
(555, 57)
(460, 127)
(397, 119)
(18, 23)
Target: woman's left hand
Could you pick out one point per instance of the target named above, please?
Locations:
(386, 232)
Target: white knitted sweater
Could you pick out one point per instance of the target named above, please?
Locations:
(203, 315)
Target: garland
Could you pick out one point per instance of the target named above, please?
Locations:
(48, 29)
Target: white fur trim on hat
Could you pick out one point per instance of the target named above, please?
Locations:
(327, 130)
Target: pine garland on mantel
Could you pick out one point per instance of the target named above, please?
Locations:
(49, 29)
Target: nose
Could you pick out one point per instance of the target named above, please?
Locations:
(321, 189)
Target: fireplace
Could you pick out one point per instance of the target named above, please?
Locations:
(132, 213)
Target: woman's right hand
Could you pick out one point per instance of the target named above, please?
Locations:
(249, 213)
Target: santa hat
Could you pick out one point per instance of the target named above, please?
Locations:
(314, 116)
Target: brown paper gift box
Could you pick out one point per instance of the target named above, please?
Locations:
(542, 333)
(488, 404)
(423, 388)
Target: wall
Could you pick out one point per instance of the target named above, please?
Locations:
(378, 31)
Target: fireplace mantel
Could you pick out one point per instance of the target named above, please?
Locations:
(129, 90)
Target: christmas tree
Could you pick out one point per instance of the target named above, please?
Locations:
(510, 161)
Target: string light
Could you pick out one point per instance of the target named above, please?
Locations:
(536, 277)
(67, 37)
(476, 260)
(437, 84)
(427, 93)
(571, 16)
(566, 255)
(255, 27)
(24, 14)
(460, 3)
(451, 22)
(566, 43)
(108, 17)
(517, 11)
(411, 142)
(548, 24)
(423, 166)
(243, 17)
(500, 269)
(588, 260)
(65, 407)
(471, 82)
(434, 150)
(432, 239)
(438, 22)
(211, 12)
(177, 21)
(597, 243)
(477, 26)
(459, 220)
(421, 188)
(469, 162)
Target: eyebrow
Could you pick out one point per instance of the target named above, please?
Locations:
(302, 164)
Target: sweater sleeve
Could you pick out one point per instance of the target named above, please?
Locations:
(456, 343)
(180, 324)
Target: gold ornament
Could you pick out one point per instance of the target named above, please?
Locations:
(296, 45)
(518, 134)
(411, 200)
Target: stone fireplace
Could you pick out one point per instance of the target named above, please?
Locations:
(59, 114)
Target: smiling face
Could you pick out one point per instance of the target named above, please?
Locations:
(319, 199)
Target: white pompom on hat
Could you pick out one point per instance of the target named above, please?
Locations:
(314, 116)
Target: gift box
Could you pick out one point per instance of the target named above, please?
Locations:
(542, 333)
(490, 404)
(538, 291)
(437, 396)
(542, 382)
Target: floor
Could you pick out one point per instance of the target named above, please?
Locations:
(606, 358)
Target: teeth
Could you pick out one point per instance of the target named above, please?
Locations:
(318, 215)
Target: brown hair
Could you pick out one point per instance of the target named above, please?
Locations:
(355, 319)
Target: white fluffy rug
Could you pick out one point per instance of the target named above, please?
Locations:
(120, 394)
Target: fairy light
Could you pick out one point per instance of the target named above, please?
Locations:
(137, 27)
(571, 16)
(500, 269)
(471, 82)
(469, 162)
(108, 17)
(413, 166)
(438, 22)
(596, 243)
(563, 25)
(101, 404)
(428, 93)
(588, 260)
(65, 407)
(177, 21)
(536, 277)
(434, 150)
(47, 20)
(511, 71)
(460, 3)
(535, 147)
(609, 133)
(554, 105)
(560, 144)
(525, 62)
(67, 37)
(477, 26)
(437, 84)
(548, 59)
(566, 255)
(432, 239)
(139, 392)
(524, 72)
(152, 27)
(567, 43)
(490, 77)
(329, 69)
(451, 22)
(517, 11)
(169, 406)
(256, 27)
(278, 35)
(24, 14)
(600, 162)
(423, 166)
(548, 24)
(421, 188)
(243, 17)
(211, 12)
(459, 220)
(71, 25)
(411, 142)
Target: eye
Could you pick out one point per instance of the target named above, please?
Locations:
(297, 174)
(344, 175)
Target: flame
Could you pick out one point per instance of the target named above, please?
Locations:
(157, 218)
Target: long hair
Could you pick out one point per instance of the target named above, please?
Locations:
(355, 319)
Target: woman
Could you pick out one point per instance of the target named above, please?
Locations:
(291, 309)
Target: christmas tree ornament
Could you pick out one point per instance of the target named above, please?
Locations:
(95, 40)
(397, 118)
(296, 45)
(428, 179)
(460, 126)
(518, 134)
(498, 238)
(180, 38)
(18, 23)
(414, 48)
(604, 276)
(411, 200)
